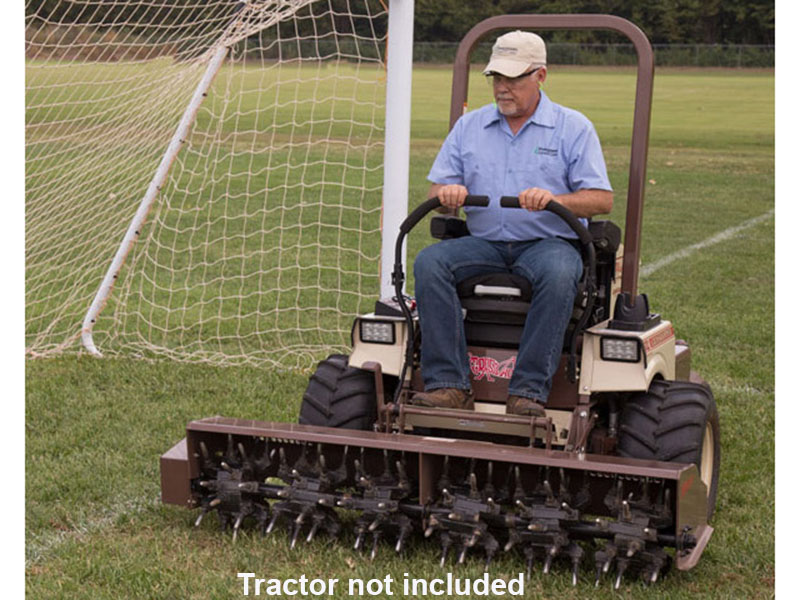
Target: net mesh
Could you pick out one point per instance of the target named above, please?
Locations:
(264, 241)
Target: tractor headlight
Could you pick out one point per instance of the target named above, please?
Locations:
(377, 332)
(621, 349)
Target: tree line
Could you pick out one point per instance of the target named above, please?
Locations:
(664, 21)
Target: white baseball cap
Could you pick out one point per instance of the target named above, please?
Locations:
(514, 53)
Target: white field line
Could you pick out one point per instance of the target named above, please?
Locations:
(727, 234)
(38, 546)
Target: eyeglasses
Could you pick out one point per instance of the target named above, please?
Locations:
(496, 78)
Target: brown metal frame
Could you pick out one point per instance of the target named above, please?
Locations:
(641, 115)
(179, 466)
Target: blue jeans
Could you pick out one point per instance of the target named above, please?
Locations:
(552, 265)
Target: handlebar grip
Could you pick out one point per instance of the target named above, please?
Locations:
(434, 203)
(509, 202)
(471, 200)
(558, 209)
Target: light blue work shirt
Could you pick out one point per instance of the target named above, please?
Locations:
(556, 149)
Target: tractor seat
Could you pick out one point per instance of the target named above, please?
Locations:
(496, 306)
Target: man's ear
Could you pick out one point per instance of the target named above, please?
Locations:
(541, 75)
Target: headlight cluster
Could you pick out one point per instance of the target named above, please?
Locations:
(377, 332)
(620, 349)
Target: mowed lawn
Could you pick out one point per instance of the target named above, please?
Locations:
(95, 428)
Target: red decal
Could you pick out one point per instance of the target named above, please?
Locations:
(686, 485)
(654, 341)
(486, 366)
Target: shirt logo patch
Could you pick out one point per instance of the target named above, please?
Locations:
(545, 151)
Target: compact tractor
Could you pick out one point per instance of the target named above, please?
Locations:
(621, 473)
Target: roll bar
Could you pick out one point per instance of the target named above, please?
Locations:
(641, 115)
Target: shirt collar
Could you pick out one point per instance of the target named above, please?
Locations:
(544, 114)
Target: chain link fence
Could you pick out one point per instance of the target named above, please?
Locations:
(666, 55)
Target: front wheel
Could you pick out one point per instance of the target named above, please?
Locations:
(675, 421)
(339, 396)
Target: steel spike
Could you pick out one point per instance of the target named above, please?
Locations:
(375, 537)
(626, 511)
(242, 453)
(547, 562)
(386, 468)
(374, 525)
(229, 449)
(402, 476)
(204, 452)
(488, 562)
(654, 576)
(202, 514)
(473, 485)
(519, 491)
(429, 531)
(621, 567)
(575, 565)
(295, 533)
(237, 524)
(226, 466)
(463, 555)
(529, 560)
(548, 490)
(359, 539)
(598, 575)
(400, 539)
(214, 502)
(272, 522)
(445, 549)
(311, 533)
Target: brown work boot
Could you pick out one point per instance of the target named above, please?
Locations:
(445, 398)
(527, 407)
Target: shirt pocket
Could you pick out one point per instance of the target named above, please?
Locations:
(547, 172)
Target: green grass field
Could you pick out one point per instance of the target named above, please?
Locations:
(95, 428)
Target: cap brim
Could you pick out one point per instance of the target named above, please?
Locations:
(503, 66)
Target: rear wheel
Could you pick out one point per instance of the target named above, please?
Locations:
(339, 396)
(675, 421)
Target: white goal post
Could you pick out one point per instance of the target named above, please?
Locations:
(260, 234)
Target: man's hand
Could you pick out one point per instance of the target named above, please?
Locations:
(452, 195)
(535, 198)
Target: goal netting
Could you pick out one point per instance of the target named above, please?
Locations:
(264, 239)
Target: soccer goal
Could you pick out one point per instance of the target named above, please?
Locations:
(204, 179)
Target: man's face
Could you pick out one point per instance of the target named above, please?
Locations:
(518, 96)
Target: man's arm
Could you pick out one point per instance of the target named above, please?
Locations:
(583, 203)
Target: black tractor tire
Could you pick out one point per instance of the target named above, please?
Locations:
(339, 396)
(675, 421)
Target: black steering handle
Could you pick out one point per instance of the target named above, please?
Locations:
(432, 204)
(560, 210)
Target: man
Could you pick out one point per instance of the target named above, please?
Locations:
(524, 145)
